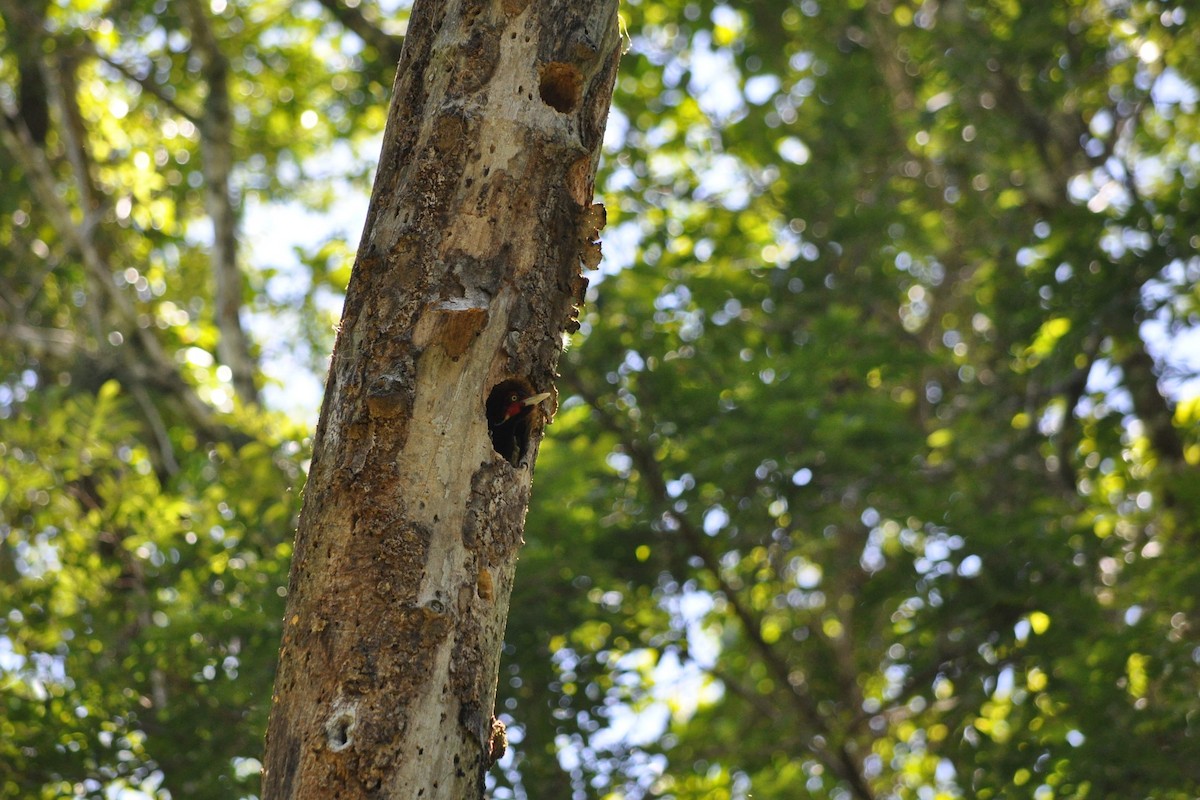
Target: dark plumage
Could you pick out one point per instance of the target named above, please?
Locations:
(508, 416)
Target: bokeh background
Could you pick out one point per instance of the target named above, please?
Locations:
(876, 468)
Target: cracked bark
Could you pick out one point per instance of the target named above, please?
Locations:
(467, 275)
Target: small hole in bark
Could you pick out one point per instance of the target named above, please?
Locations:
(561, 86)
(510, 408)
(339, 729)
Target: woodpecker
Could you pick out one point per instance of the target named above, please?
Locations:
(508, 422)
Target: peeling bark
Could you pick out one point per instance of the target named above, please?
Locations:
(467, 276)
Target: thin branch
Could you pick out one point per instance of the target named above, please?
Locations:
(753, 698)
(148, 85)
(42, 342)
(353, 19)
(17, 303)
(168, 465)
(147, 361)
(216, 129)
(1152, 408)
(63, 91)
(836, 755)
(25, 24)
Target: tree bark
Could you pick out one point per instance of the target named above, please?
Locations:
(467, 276)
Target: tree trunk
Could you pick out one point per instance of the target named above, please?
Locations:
(467, 276)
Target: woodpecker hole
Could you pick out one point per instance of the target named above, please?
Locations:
(561, 86)
(339, 729)
(510, 431)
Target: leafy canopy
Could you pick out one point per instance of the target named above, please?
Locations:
(875, 472)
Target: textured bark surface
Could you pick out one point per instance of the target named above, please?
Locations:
(468, 274)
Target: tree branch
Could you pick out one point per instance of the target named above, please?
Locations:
(828, 745)
(145, 360)
(42, 342)
(144, 81)
(25, 23)
(216, 141)
(1149, 404)
(355, 20)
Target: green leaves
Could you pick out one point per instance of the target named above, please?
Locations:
(873, 444)
(873, 366)
(137, 607)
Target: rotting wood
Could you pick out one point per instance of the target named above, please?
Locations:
(468, 274)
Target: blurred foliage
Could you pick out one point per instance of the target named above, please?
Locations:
(875, 472)
(901, 488)
(146, 511)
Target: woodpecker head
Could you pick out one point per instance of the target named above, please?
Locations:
(508, 418)
(516, 406)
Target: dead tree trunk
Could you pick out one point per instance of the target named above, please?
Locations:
(468, 274)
